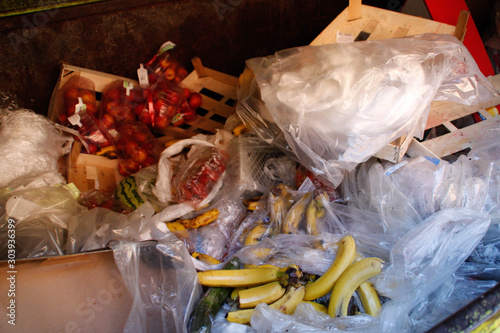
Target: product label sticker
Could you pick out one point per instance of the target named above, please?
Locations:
(344, 38)
(166, 46)
(307, 185)
(128, 86)
(142, 74)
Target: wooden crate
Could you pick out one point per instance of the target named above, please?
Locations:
(99, 172)
(359, 22)
(100, 79)
(449, 138)
(219, 99)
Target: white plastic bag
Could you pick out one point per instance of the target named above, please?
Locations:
(336, 105)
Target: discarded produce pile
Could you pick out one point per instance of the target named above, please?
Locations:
(282, 220)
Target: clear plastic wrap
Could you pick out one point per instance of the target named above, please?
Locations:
(30, 145)
(40, 217)
(334, 106)
(96, 228)
(162, 281)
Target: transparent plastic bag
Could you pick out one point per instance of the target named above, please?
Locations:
(162, 281)
(430, 252)
(121, 102)
(337, 105)
(30, 145)
(136, 147)
(96, 228)
(40, 217)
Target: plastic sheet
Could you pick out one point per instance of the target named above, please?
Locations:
(96, 228)
(162, 282)
(334, 106)
(30, 145)
(40, 217)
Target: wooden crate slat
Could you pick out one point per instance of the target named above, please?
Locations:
(442, 111)
(459, 140)
(388, 24)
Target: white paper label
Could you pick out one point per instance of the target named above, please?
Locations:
(307, 185)
(75, 118)
(344, 38)
(142, 74)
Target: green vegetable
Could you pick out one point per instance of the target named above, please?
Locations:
(204, 314)
(127, 193)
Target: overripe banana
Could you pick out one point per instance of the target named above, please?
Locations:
(315, 209)
(369, 298)
(280, 201)
(252, 203)
(205, 258)
(317, 306)
(349, 281)
(324, 284)
(266, 293)
(290, 300)
(256, 234)
(295, 214)
(240, 277)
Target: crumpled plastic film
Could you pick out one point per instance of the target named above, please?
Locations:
(336, 105)
(162, 281)
(30, 145)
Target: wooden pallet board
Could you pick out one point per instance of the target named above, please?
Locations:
(456, 139)
(363, 22)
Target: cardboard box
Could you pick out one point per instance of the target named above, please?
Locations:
(73, 293)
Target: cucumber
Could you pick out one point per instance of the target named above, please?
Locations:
(127, 193)
(205, 311)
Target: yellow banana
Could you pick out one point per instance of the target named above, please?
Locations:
(317, 306)
(314, 210)
(249, 266)
(280, 201)
(240, 316)
(256, 234)
(349, 281)
(259, 253)
(201, 220)
(240, 129)
(205, 258)
(286, 304)
(290, 300)
(272, 266)
(239, 277)
(234, 293)
(324, 284)
(369, 298)
(266, 293)
(295, 215)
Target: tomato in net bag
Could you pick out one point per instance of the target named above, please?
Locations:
(136, 147)
(165, 65)
(198, 175)
(165, 101)
(121, 101)
(77, 110)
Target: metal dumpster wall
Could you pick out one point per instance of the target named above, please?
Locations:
(116, 36)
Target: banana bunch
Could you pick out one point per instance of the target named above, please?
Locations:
(285, 288)
(280, 200)
(345, 276)
(281, 288)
